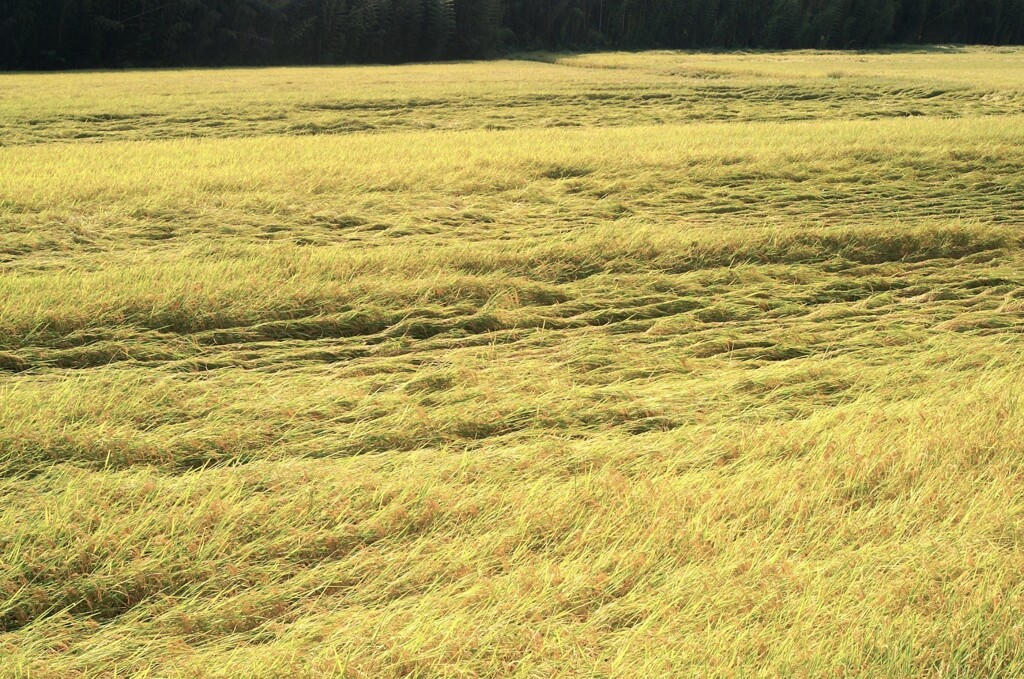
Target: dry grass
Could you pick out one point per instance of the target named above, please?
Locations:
(722, 380)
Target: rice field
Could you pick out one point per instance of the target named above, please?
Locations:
(609, 365)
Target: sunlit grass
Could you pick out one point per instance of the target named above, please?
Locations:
(706, 365)
(538, 90)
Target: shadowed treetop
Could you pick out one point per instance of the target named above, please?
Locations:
(61, 34)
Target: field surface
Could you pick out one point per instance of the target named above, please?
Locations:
(615, 365)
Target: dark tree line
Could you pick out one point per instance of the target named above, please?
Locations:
(40, 34)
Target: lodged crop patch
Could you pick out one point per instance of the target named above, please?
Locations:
(598, 365)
